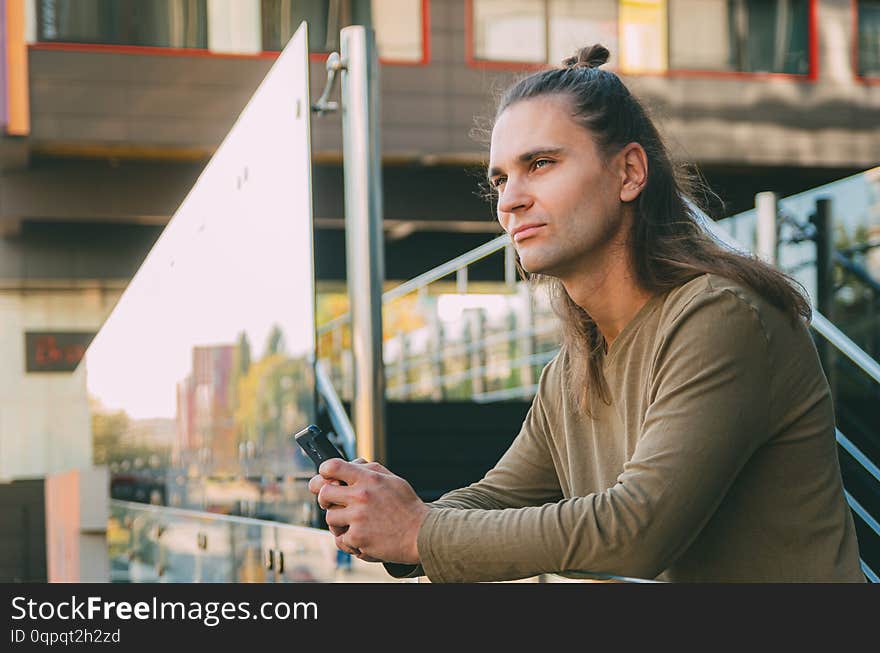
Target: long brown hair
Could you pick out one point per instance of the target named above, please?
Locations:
(669, 247)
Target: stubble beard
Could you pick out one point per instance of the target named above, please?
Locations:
(588, 259)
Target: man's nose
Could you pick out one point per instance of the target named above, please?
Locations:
(513, 198)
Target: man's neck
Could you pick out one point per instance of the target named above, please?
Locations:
(610, 295)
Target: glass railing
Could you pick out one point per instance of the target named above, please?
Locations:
(157, 544)
(200, 359)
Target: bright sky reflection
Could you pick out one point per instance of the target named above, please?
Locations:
(236, 256)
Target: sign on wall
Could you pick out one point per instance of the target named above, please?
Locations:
(55, 351)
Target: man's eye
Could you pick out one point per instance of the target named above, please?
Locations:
(498, 181)
(539, 162)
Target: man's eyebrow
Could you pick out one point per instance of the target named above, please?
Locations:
(528, 156)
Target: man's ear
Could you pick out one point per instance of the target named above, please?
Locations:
(634, 171)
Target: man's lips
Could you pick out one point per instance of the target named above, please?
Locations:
(526, 231)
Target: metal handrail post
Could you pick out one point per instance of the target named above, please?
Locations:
(363, 234)
(766, 208)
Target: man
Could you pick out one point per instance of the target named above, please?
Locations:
(685, 431)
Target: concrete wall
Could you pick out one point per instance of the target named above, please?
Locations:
(45, 426)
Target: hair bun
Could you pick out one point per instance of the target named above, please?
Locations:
(589, 57)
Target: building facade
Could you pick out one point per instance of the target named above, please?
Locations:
(112, 108)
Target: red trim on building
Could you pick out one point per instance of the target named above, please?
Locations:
(516, 66)
(204, 52)
(814, 41)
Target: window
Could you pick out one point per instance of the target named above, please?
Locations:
(643, 36)
(398, 24)
(159, 23)
(770, 36)
(399, 29)
(541, 31)
(869, 38)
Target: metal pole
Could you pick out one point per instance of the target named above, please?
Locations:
(363, 234)
(821, 219)
(765, 205)
(824, 257)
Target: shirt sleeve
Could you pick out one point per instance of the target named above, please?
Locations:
(707, 413)
(524, 476)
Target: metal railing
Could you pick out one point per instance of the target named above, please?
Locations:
(483, 354)
(338, 416)
(419, 284)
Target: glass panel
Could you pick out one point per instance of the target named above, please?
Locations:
(869, 37)
(194, 550)
(133, 545)
(159, 23)
(398, 29)
(700, 35)
(251, 543)
(210, 349)
(149, 544)
(510, 30)
(576, 24)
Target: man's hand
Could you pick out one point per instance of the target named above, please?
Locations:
(376, 516)
(315, 484)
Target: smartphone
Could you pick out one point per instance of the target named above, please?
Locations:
(316, 445)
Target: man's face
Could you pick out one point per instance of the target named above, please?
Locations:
(551, 179)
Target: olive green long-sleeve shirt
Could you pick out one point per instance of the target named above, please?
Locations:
(715, 461)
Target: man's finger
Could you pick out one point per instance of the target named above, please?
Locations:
(338, 517)
(378, 467)
(332, 494)
(373, 467)
(316, 483)
(340, 470)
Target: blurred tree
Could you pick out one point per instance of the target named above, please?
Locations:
(243, 353)
(112, 440)
(107, 431)
(275, 343)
